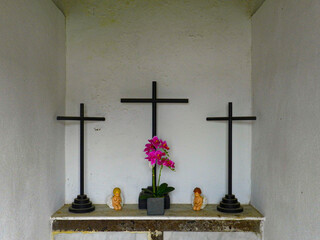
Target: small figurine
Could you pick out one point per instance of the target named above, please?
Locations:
(115, 201)
(199, 201)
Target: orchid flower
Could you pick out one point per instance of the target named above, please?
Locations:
(157, 153)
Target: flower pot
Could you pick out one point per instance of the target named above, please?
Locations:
(143, 202)
(155, 206)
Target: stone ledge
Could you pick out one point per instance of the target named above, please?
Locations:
(179, 218)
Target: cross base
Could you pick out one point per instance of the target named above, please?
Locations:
(81, 204)
(229, 204)
(143, 202)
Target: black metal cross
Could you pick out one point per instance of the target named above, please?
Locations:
(154, 100)
(82, 203)
(229, 203)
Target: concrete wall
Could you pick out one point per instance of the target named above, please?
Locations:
(286, 137)
(102, 236)
(166, 236)
(199, 50)
(32, 93)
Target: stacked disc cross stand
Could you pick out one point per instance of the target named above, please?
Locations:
(82, 203)
(229, 203)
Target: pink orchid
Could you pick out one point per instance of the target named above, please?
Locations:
(157, 153)
(155, 141)
(163, 144)
(151, 157)
(160, 162)
(168, 163)
(172, 165)
(149, 147)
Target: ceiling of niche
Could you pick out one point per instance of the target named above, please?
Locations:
(253, 5)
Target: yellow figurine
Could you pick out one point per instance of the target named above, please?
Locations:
(115, 201)
(199, 201)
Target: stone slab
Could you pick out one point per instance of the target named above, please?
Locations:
(179, 218)
(176, 212)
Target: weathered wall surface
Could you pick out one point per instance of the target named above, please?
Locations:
(102, 236)
(211, 236)
(32, 93)
(199, 50)
(286, 138)
(166, 236)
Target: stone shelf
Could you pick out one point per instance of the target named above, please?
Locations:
(180, 217)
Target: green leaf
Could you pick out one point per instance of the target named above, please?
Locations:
(168, 189)
(146, 190)
(145, 195)
(163, 185)
(164, 189)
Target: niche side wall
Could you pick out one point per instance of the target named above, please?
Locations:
(199, 50)
(32, 93)
(286, 138)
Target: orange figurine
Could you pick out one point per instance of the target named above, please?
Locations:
(116, 199)
(198, 199)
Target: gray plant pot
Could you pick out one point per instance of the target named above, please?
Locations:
(155, 206)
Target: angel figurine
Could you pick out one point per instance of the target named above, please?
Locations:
(115, 201)
(198, 201)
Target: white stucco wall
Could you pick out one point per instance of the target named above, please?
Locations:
(211, 236)
(199, 50)
(32, 93)
(102, 236)
(286, 87)
(166, 236)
